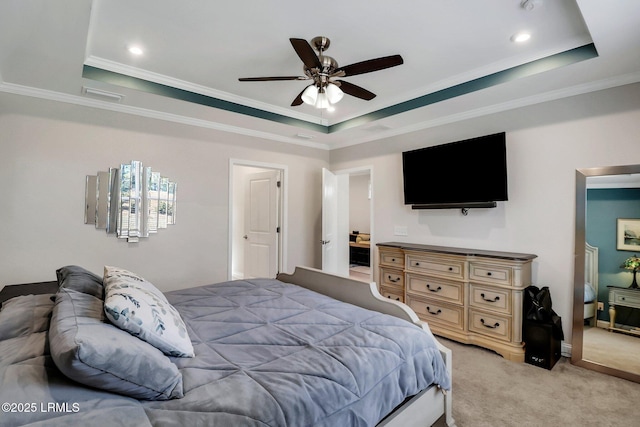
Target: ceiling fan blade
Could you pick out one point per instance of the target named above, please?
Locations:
(354, 90)
(271, 79)
(298, 100)
(369, 66)
(306, 53)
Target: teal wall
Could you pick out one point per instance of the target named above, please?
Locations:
(604, 207)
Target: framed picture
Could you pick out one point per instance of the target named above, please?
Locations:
(628, 234)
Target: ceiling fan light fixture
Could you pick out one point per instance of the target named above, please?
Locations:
(310, 95)
(323, 100)
(320, 68)
(334, 93)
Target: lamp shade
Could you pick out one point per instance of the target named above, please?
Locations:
(323, 100)
(310, 95)
(631, 263)
(334, 93)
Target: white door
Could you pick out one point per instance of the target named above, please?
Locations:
(261, 221)
(335, 223)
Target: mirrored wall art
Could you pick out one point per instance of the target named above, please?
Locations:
(131, 201)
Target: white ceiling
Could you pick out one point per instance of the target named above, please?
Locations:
(204, 46)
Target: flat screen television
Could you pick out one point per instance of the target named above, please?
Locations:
(468, 173)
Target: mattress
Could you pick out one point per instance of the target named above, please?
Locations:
(267, 353)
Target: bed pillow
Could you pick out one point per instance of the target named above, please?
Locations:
(89, 350)
(136, 306)
(81, 280)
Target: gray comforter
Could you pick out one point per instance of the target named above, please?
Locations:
(267, 354)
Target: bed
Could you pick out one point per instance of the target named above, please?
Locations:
(306, 348)
(590, 285)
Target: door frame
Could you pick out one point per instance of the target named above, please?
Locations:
(359, 170)
(282, 240)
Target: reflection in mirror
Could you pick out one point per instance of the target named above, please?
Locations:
(171, 203)
(113, 200)
(603, 196)
(125, 193)
(154, 197)
(131, 201)
(162, 205)
(102, 191)
(90, 205)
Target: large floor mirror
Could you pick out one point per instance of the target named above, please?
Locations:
(607, 235)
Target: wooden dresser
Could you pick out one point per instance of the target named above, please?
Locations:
(470, 296)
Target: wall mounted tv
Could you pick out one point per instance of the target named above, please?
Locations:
(464, 174)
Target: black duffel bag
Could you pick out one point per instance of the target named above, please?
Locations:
(537, 304)
(538, 308)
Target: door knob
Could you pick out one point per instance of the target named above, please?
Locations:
(245, 237)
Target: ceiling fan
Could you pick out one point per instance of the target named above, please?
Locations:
(323, 70)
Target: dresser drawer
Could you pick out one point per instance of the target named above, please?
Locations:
(391, 293)
(492, 325)
(391, 277)
(431, 287)
(485, 297)
(392, 258)
(498, 274)
(449, 267)
(450, 316)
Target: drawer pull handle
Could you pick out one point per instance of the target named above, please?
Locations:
(495, 325)
(450, 268)
(488, 273)
(435, 313)
(397, 279)
(434, 290)
(397, 298)
(393, 260)
(496, 299)
(417, 264)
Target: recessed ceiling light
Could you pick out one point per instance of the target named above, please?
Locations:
(136, 50)
(520, 37)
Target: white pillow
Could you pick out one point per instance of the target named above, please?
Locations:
(136, 306)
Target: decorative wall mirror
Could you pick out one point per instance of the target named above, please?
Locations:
(131, 201)
(598, 343)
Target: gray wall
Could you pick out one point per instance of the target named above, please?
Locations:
(539, 216)
(46, 150)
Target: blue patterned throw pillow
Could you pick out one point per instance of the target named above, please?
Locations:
(138, 307)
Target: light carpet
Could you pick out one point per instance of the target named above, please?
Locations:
(489, 391)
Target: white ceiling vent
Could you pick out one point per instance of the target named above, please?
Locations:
(103, 94)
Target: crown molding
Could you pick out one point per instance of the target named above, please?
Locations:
(581, 89)
(153, 114)
(138, 73)
(379, 133)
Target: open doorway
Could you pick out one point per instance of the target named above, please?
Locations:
(347, 223)
(360, 260)
(256, 219)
